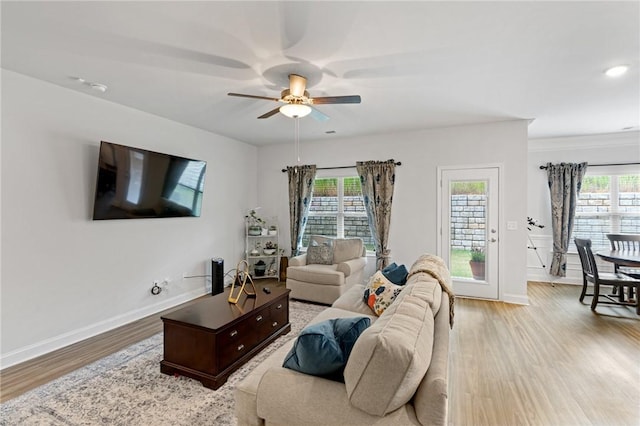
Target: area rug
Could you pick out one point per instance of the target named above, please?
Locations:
(127, 388)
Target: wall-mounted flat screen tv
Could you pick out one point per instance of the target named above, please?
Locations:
(135, 183)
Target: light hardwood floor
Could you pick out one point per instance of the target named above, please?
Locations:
(553, 362)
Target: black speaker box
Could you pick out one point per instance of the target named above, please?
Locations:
(217, 276)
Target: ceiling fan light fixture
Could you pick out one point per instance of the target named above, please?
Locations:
(295, 110)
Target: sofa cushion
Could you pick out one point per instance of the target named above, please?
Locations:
(322, 349)
(351, 300)
(392, 356)
(320, 253)
(397, 274)
(380, 293)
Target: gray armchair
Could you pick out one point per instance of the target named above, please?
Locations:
(327, 270)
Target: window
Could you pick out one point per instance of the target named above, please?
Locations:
(608, 203)
(337, 210)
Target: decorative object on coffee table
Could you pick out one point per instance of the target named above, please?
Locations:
(241, 278)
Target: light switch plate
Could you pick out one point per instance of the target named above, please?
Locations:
(512, 225)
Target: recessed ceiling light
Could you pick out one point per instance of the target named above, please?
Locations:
(616, 71)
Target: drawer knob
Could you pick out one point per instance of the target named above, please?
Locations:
(259, 318)
(234, 333)
(240, 347)
(275, 324)
(279, 306)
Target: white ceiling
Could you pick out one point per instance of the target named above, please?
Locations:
(416, 64)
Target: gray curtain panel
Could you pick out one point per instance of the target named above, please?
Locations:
(300, 191)
(564, 180)
(378, 179)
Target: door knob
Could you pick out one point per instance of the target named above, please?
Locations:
(493, 240)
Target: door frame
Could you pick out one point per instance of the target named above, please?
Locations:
(500, 212)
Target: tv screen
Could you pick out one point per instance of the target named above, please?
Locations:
(135, 183)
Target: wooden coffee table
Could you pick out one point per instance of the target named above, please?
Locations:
(210, 339)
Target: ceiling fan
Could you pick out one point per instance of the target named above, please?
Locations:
(298, 103)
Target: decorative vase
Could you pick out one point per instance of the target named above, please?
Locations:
(477, 270)
(259, 269)
(255, 231)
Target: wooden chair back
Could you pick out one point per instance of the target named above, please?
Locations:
(624, 241)
(588, 261)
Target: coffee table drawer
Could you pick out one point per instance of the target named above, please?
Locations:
(236, 341)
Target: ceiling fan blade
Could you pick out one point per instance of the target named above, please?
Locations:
(297, 85)
(240, 95)
(318, 116)
(270, 113)
(353, 99)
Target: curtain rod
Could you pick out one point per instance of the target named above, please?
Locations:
(397, 163)
(598, 165)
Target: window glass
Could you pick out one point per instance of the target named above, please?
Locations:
(337, 210)
(607, 204)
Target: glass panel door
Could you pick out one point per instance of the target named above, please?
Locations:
(469, 230)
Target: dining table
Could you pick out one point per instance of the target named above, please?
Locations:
(628, 258)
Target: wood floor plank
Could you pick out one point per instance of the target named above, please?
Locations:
(553, 362)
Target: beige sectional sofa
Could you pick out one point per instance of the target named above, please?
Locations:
(396, 373)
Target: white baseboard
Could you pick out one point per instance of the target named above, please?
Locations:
(37, 349)
(517, 299)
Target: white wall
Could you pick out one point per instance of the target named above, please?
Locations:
(413, 221)
(594, 149)
(66, 277)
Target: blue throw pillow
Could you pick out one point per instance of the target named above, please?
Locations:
(397, 274)
(323, 349)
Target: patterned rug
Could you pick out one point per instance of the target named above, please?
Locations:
(127, 388)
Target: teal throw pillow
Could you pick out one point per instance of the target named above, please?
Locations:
(323, 349)
(397, 274)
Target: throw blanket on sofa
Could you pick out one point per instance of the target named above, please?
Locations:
(435, 266)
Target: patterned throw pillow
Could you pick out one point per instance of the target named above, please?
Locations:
(380, 293)
(320, 253)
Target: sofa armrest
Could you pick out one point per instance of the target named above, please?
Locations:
(289, 397)
(298, 260)
(350, 266)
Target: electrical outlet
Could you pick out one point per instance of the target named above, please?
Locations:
(156, 289)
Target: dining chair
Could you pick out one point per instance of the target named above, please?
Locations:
(630, 242)
(590, 274)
